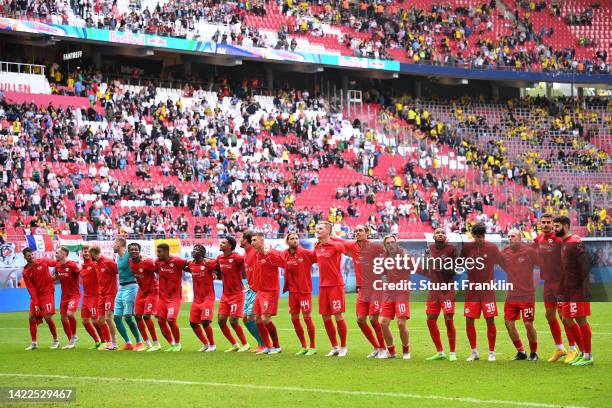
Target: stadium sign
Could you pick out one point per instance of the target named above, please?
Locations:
(73, 55)
(24, 83)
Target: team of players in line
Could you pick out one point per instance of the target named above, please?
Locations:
(559, 254)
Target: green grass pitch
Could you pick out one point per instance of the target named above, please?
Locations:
(192, 379)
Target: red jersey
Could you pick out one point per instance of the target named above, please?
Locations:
(144, 272)
(107, 276)
(354, 249)
(575, 282)
(518, 264)
(250, 263)
(68, 274)
(203, 276)
(298, 276)
(549, 252)
(38, 279)
(490, 254)
(89, 275)
(329, 258)
(446, 254)
(231, 272)
(171, 277)
(266, 272)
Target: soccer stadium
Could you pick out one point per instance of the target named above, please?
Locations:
(313, 203)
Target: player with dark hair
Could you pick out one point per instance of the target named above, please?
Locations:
(298, 281)
(91, 297)
(519, 262)
(68, 274)
(250, 262)
(107, 280)
(230, 267)
(548, 246)
(126, 297)
(39, 284)
(575, 289)
(479, 302)
(170, 270)
(203, 271)
(145, 272)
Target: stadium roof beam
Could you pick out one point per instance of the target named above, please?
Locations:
(38, 41)
(224, 61)
(374, 74)
(301, 68)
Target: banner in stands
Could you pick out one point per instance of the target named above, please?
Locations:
(24, 83)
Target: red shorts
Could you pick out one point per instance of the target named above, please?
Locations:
(69, 304)
(145, 305)
(46, 306)
(231, 305)
(168, 308)
(576, 309)
(331, 300)
(300, 302)
(202, 310)
(446, 306)
(514, 310)
(89, 308)
(365, 308)
(554, 305)
(107, 303)
(392, 309)
(266, 302)
(473, 309)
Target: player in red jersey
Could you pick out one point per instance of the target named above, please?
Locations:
(395, 303)
(575, 289)
(91, 298)
(203, 271)
(230, 267)
(485, 255)
(145, 272)
(170, 270)
(107, 280)
(439, 267)
(331, 286)
(519, 261)
(367, 303)
(548, 246)
(39, 284)
(298, 281)
(68, 274)
(250, 261)
(268, 292)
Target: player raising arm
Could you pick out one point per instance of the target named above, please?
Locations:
(91, 298)
(250, 262)
(298, 281)
(68, 274)
(39, 284)
(107, 280)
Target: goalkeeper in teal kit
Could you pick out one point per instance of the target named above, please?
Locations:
(126, 297)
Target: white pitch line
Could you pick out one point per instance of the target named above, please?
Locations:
(296, 389)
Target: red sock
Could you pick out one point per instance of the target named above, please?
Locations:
(240, 334)
(571, 340)
(299, 330)
(151, 326)
(209, 334)
(555, 330)
(586, 337)
(331, 332)
(533, 346)
(342, 332)
(434, 332)
(92, 331)
(470, 330)
(577, 334)
(273, 334)
(310, 327)
(33, 329)
(519, 345)
(197, 329)
(142, 328)
(451, 333)
(265, 336)
(163, 326)
(391, 350)
(73, 325)
(491, 335)
(379, 334)
(67, 327)
(99, 331)
(405, 349)
(367, 332)
(228, 334)
(105, 333)
(52, 328)
(176, 332)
